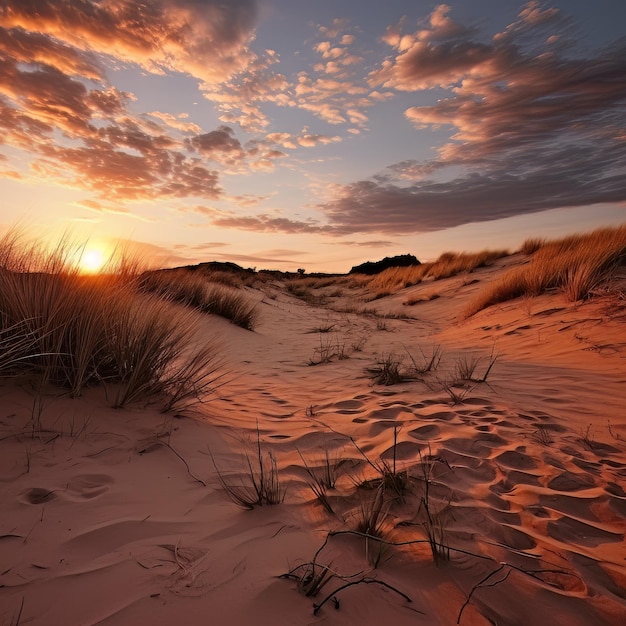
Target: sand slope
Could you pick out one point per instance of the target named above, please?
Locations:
(118, 517)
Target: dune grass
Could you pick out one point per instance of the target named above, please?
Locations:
(197, 291)
(575, 265)
(260, 485)
(448, 264)
(60, 327)
(532, 244)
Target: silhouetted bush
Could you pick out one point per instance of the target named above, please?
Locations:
(375, 267)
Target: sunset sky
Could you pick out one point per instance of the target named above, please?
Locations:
(282, 134)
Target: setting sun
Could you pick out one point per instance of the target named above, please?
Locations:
(92, 260)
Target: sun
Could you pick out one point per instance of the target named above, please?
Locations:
(92, 260)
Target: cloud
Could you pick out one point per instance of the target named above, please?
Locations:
(57, 105)
(123, 176)
(380, 243)
(504, 94)
(29, 47)
(204, 38)
(240, 97)
(566, 176)
(177, 122)
(219, 145)
(100, 207)
(533, 128)
(266, 223)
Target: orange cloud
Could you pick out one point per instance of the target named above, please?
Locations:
(205, 38)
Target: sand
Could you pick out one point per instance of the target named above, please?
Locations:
(118, 516)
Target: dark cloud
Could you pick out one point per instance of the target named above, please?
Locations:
(221, 140)
(535, 128)
(565, 176)
(220, 145)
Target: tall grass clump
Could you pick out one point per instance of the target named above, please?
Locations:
(150, 355)
(532, 244)
(71, 330)
(575, 265)
(194, 290)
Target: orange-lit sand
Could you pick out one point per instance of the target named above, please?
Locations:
(102, 523)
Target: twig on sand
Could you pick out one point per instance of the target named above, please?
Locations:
(167, 445)
(364, 581)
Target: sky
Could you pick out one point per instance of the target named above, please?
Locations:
(285, 134)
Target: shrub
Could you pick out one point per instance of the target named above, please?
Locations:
(375, 267)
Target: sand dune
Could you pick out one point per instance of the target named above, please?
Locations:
(120, 517)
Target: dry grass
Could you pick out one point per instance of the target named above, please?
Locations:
(575, 265)
(448, 264)
(451, 264)
(532, 244)
(395, 278)
(260, 485)
(195, 290)
(58, 326)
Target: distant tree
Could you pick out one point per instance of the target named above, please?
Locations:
(301, 271)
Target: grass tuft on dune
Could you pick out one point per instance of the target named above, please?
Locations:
(448, 264)
(575, 265)
(60, 327)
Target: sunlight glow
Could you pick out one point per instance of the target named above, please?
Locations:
(92, 260)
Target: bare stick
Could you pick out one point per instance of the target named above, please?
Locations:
(364, 581)
(167, 445)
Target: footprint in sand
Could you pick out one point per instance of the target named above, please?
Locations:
(577, 533)
(425, 432)
(37, 495)
(348, 407)
(404, 451)
(568, 481)
(443, 416)
(88, 486)
(516, 460)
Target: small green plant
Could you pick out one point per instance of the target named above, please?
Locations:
(456, 392)
(381, 325)
(395, 482)
(433, 519)
(542, 435)
(532, 244)
(389, 371)
(329, 348)
(359, 344)
(370, 521)
(323, 328)
(429, 363)
(588, 437)
(261, 482)
(197, 291)
(323, 477)
(311, 577)
(466, 368)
